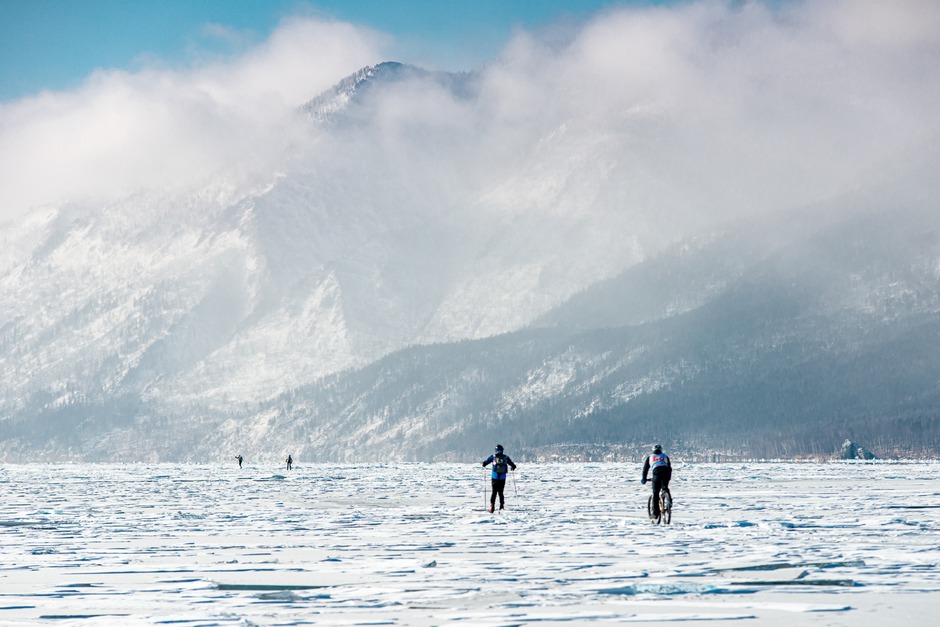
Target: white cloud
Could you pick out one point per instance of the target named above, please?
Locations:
(122, 131)
(699, 110)
(741, 107)
(302, 58)
(886, 25)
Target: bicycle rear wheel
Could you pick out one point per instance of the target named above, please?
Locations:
(666, 507)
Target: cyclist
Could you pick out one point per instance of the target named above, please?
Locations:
(658, 462)
(501, 464)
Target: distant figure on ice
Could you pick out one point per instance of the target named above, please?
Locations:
(501, 465)
(290, 462)
(240, 459)
(851, 450)
(658, 462)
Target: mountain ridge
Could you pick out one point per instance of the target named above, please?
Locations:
(345, 308)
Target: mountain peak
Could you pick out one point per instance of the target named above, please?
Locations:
(338, 97)
(353, 88)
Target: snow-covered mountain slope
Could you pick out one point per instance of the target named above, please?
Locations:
(786, 348)
(397, 283)
(248, 286)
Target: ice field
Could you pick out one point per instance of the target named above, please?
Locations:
(410, 544)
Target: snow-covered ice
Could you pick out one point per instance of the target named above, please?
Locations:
(411, 544)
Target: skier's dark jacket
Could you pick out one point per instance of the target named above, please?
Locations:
(499, 465)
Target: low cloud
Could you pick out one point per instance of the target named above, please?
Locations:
(743, 107)
(703, 111)
(122, 131)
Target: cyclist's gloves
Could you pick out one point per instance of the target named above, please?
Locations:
(642, 480)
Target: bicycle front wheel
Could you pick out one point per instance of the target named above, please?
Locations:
(666, 507)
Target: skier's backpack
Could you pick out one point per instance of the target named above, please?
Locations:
(500, 465)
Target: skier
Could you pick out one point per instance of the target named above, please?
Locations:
(659, 463)
(239, 458)
(290, 462)
(501, 464)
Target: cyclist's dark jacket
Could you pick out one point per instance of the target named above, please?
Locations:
(499, 465)
(657, 462)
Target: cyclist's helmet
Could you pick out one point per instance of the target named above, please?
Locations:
(499, 448)
(657, 449)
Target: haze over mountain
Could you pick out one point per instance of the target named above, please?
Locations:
(714, 226)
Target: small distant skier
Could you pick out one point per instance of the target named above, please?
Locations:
(290, 462)
(240, 459)
(501, 465)
(659, 463)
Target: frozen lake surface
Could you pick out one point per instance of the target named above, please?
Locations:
(410, 544)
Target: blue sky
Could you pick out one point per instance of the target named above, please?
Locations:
(56, 44)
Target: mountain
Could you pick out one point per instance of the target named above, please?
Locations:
(250, 285)
(372, 300)
(783, 350)
(355, 91)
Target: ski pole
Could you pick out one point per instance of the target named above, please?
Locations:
(484, 489)
(515, 489)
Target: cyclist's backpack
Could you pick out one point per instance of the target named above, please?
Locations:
(500, 465)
